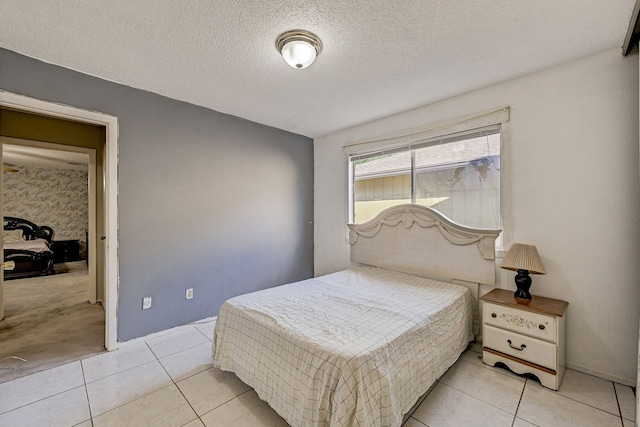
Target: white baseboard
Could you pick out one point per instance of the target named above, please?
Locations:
(623, 381)
(153, 335)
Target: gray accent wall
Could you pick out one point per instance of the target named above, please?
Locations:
(206, 200)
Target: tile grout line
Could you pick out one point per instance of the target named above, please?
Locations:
(141, 397)
(52, 395)
(185, 397)
(205, 335)
(494, 369)
(44, 398)
(85, 383)
(176, 385)
(86, 391)
(224, 403)
(476, 398)
(416, 420)
(515, 415)
(615, 393)
(583, 403)
(184, 349)
(119, 372)
(199, 417)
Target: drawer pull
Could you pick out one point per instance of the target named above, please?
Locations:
(541, 327)
(494, 315)
(522, 346)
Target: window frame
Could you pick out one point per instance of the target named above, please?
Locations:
(500, 117)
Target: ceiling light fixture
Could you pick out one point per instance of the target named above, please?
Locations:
(299, 48)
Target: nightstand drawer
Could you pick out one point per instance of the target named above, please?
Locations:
(526, 348)
(520, 321)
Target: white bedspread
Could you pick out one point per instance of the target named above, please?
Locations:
(352, 348)
(35, 245)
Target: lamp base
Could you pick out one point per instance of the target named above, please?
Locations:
(523, 283)
(522, 301)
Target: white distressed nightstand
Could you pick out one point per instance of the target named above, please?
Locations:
(526, 338)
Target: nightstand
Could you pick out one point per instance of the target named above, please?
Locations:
(528, 339)
(65, 250)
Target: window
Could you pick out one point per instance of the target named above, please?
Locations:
(457, 175)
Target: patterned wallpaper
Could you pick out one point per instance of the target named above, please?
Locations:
(54, 197)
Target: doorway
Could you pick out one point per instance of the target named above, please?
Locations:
(105, 240)
(50, 319)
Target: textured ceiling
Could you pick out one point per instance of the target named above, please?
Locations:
(380, 57)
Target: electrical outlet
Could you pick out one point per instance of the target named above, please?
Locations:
(189, 293)
(146, 303)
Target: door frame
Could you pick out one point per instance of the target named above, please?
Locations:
(51, 109)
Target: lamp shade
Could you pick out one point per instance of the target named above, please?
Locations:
(523, 257)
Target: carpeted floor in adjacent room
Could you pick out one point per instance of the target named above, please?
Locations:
(48, 321)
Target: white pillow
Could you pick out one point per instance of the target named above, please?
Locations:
(10, 236)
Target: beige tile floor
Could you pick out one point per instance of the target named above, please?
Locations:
(168, 380)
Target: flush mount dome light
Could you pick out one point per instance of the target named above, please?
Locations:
(299, 48)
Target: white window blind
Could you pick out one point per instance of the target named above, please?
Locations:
(434, 131)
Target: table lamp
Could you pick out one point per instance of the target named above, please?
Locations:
(524, 259)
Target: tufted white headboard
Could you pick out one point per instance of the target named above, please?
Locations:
(419, 240)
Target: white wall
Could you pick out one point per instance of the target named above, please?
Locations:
(570, 168)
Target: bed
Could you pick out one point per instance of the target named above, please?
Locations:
(359, 347)
(29, 246)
